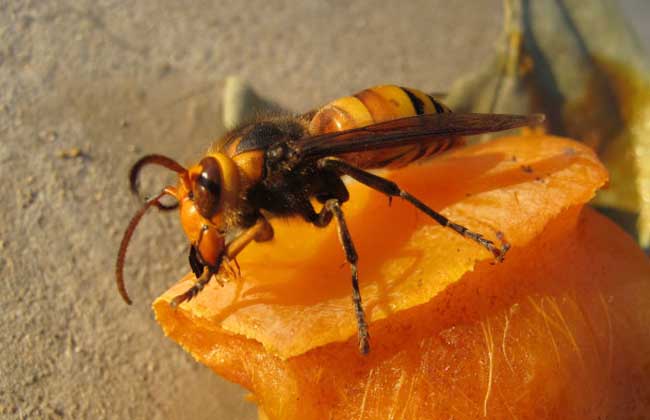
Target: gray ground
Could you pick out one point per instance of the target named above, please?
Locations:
(111, 80)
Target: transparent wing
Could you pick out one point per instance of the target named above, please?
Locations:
(410, 130)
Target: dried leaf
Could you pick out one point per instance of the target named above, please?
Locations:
(584, 68)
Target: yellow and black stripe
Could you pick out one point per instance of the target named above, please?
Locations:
(376, 105)
(372, 106)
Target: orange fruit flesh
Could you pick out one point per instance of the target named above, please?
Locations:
(557, 330)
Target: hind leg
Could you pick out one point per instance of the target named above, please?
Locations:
(393, 190)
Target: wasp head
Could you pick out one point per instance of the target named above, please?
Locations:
(205, 192)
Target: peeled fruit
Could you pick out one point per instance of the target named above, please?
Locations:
(558, 330)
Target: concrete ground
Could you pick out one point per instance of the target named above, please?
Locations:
(86, 87)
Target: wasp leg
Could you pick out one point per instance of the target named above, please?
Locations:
(261, 231)
(333, 207)
(195, 289)
(392, 189)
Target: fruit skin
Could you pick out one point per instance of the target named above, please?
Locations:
(557, 331)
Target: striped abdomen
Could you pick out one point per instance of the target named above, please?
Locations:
(375, 105)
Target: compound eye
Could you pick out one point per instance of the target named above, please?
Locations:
(207, 187)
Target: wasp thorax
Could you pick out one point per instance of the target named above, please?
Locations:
(207, 187)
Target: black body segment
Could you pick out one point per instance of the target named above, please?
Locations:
(418, 104)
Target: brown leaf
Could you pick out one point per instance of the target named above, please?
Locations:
(584, 68)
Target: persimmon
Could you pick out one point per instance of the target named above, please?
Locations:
(558, 330)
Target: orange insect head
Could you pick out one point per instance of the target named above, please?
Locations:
(201, 233)
(203, 192)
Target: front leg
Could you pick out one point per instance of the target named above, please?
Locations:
(261, 231)
(198, 285)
